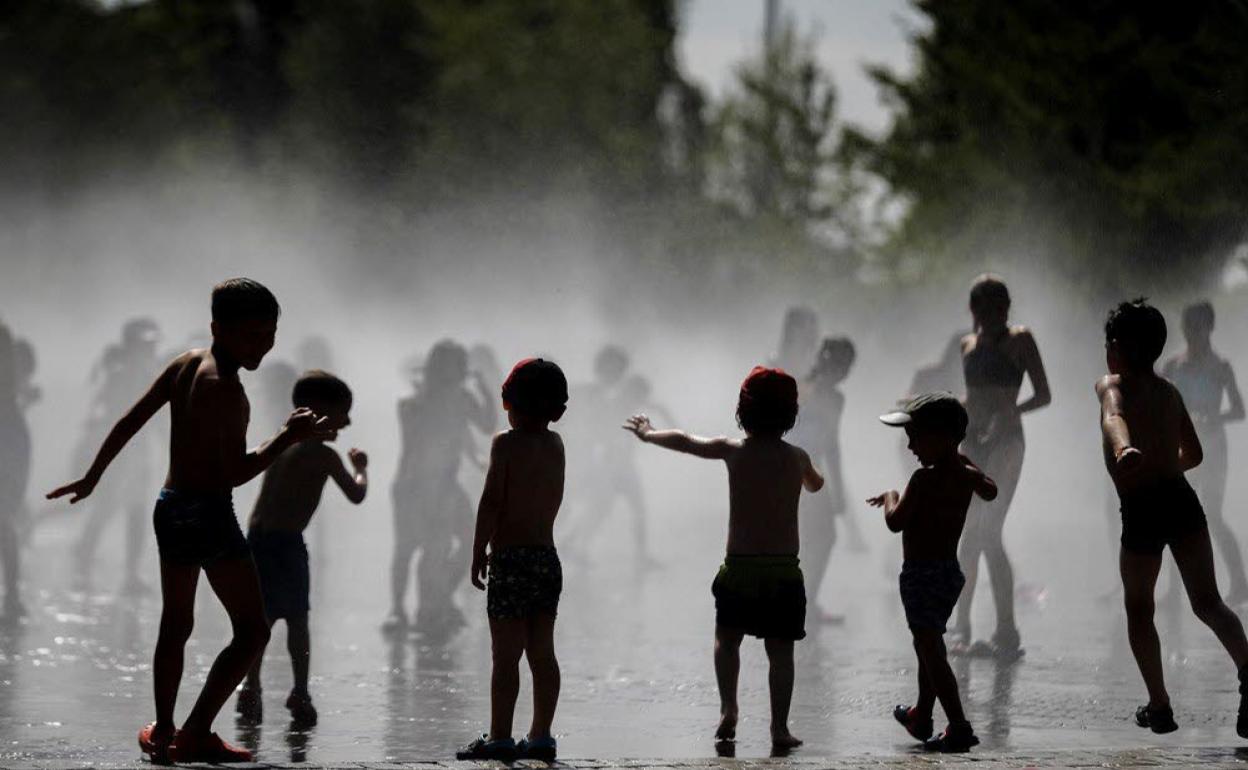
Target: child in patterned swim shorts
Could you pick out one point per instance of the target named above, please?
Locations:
(930, 516)
(515, 545)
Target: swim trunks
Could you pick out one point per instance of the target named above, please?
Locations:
(763, 596)
(929, 591)
(197, 530)
(282, 562)
(525, 580)
(1160, 514)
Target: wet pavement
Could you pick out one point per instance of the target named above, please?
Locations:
(635, 648)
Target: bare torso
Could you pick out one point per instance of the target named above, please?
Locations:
(1155, 416)
(533, 466)
(292, 488)
(941, 498)
(764, 484)
(208, 420)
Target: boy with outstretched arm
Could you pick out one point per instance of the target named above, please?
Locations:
(289, 495)
(759, 589)
(930, 516)
(194, 518)
(1149, 442)
(514, 548)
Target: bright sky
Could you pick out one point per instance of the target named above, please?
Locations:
(719, 33)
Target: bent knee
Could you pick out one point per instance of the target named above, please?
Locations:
(1209, 607)
(176, 629)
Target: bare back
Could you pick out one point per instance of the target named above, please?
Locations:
(209, 414)
(764, 484)
(526, 478)
(292, 488)
(940, 498)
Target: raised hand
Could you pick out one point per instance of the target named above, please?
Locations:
(304, 424)
(79, 490)
(639, 425)
(358, 458)
(884, 499)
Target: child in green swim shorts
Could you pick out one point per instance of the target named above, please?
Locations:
(759, 589)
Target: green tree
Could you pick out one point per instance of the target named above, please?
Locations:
(1105, 137)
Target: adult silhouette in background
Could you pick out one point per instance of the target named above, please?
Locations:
(1206, 381)
(125, 368)
(14, 466)
(995, 358)
(432, 511)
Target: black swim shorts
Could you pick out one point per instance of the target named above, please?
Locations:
(929, 591)
(763, 596)
(197, 530)
(282, 562)
(1160, 514)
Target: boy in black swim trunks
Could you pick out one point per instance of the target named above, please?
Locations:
(194, 519)
(1149, 442)
(288, 497)
(930, 516)
(515, 545)
(759, 589)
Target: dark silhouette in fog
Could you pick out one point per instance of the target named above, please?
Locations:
(432, 512)
(16, 393)
(194, 519)
(1149, 442)
(930, 515)
(289, 496)
(124, 368)
(1203, 378)
(995, 358)
(514, 548)
(818, 431)
(759, 590)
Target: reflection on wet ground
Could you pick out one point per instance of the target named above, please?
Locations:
(636, 654)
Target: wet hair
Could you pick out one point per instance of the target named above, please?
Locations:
(317, 386)
(836, 353)
(989, 291)
(1139, 329)
(767, 404)
(536, 388)
(242, 299)
(1199, 314)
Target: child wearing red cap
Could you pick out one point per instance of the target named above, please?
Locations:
(759, 590)
(515, 544)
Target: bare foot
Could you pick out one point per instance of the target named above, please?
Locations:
(785, 740)
(727, 730)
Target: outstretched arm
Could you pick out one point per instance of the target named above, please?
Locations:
(678, 440)
(489, 510)
(898, 508)
(1034, 366)
(129, 424)
(353, 485)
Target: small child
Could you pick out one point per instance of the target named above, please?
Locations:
(759, 589)
(288, 497)
(194, 518)
(515, 522)
(930, 515)
(1149, 442)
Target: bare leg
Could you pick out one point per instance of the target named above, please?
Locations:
(926, 702)
(727, 670)
(400, 572)
(969, 551)
(1212, 487)
(1007, 467)
(10, 555)
(780, 684)
(508, 639)
(545, 669)
(931, 649)
(1139, 580)
(1194, 555)
(238, 587)
(253, 674)
(299, 644)
(177, 618)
